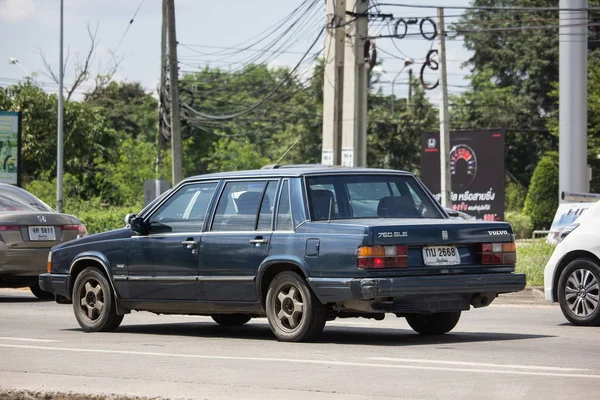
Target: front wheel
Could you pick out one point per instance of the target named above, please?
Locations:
(294, 312)
(579, 292)
(433, 324)
(94, 303)
(230, 319)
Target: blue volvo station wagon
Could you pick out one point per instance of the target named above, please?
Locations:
(299, 245)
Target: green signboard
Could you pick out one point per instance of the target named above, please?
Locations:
(10, 147)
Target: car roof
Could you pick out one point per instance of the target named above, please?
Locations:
(295, 172)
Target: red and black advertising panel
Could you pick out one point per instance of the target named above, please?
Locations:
(477, 167)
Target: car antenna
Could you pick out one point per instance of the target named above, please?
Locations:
(287, 151)
(330, 204)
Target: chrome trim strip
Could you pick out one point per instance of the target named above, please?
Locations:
(257, 233)
(163, 278)
(159, 235)
(120, 277)
(226, 278)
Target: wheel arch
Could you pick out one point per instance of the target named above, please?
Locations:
(566, 260)
(100, 262)
(273, 266)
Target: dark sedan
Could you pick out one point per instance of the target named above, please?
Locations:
(300, 246)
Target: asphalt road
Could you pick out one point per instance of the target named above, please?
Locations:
(505, 351)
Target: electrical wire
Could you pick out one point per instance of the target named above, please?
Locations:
(128, 26)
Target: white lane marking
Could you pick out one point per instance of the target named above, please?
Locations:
(28, 339)
(475, 364)
(304, 361)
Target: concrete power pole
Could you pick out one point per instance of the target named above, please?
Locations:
(573, 59)
(354, 135)
(446, 186)
(333, 86)
(174, 90)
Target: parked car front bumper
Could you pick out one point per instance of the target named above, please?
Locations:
(330, 290)
(56, 283)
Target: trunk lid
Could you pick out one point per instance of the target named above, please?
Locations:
(36, 229)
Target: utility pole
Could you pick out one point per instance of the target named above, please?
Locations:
(354, 135)
(160, 140)
(59, 133)
(446, 185)
(333, 86)
(573, 60)
(174, 89)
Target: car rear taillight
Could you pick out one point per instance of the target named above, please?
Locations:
(497, 253)
(80, 228)
(5, 228)
(379, 257)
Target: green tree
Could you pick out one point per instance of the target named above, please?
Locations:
(128, 108)
(542, 197)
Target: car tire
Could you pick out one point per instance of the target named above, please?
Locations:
(94, 303)
(231, 319)
(433, 324)
(39, 293)
(295, 314)
(579, 292)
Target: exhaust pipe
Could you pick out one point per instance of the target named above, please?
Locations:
(482, 299)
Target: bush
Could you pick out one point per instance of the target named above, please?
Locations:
(104, 220)
(514, 199)
(532, 258)
(542, 198)
(521, 224)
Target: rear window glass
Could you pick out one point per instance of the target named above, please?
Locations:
(368, 196)
(15, 199)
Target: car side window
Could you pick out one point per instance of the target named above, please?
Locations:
(284, 213)
(185, 210)
(238, 206)
(265, 217)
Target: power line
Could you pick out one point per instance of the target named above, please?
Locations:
(128, 26)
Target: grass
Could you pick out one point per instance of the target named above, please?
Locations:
(8, 394)
(532, 257)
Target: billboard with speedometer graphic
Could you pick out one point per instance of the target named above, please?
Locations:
(477, 168)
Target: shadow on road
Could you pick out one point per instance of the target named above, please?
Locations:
(332, 334)
(24, 298)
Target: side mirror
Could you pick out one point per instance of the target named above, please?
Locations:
(452, 213)
(139, 226)
(128, 218)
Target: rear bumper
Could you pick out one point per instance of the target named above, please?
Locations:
(330, 290)
(56, 283)
(23, 262)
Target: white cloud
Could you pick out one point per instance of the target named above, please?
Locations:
(16, 10)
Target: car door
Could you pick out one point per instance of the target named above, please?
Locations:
(238, 240)
(163, 264)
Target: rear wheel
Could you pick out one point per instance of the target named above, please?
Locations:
(94, 303)
(579, 292)
(230, 319)
(39, 293)
(294, 312)
(433, 324)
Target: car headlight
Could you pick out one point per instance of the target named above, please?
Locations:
(49, 262)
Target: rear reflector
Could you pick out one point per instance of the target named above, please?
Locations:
(379, 257)
(497, 253)
(80, 228)
(5, 228)
(70, 227)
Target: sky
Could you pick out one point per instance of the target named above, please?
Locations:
(28, 27)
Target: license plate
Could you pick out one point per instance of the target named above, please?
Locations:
(441, 255)
(42, 233)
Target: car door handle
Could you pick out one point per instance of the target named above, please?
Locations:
(190, 244)
(259, 241)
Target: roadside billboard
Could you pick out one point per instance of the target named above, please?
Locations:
(477, 168)
(10, 147)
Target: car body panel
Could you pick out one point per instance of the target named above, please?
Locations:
(585, 239)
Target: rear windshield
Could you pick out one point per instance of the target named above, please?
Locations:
(368, 196)
(15, 199)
